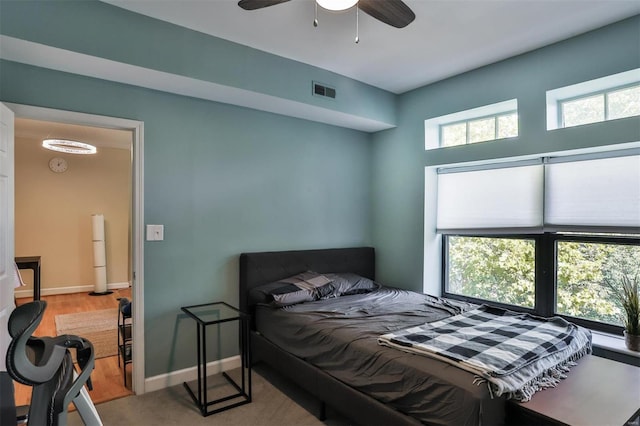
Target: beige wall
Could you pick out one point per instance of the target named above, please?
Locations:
(53, 214)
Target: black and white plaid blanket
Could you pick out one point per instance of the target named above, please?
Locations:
(515, 353)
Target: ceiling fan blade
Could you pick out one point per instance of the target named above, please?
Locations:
(258, 4)
(392, 12)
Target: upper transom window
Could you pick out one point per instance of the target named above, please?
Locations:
(607, 98)
(610, 105)
(485, 123)
(480, 129)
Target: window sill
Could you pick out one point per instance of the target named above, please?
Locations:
(612, 343)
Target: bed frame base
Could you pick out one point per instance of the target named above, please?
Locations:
(326, 388)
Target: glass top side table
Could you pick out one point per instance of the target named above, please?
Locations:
(218, 313)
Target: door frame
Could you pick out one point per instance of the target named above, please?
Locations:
(137, 129)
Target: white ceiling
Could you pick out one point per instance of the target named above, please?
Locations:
(447, 37)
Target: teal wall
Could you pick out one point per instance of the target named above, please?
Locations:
(223, 180)
(99, 29)
(399, 156)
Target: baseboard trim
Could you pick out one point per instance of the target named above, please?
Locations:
(67, 290)
(188, 374)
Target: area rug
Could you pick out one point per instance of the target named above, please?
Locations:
(99, 327)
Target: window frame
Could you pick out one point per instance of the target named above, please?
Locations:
(602, 84)
(456, 296)
(606, 92)
(546, 248)
(432, 125)
(467, 121)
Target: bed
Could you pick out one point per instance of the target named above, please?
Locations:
(331, 347)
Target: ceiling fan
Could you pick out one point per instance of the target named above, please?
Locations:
(391, 12)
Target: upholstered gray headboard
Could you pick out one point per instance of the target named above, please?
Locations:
(265, 267)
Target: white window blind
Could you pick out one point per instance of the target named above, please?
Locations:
(601, 194)
(495, 200)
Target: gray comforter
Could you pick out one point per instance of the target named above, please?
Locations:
(340, 336)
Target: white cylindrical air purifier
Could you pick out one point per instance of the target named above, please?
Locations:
(99, 256)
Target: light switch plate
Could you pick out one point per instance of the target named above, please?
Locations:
(155, 232)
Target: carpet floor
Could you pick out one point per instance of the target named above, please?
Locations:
(276, 402)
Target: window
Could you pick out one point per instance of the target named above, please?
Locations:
(585, 271)
(480, 130)
(496, 269)
(512, 271)
(485, 123)
(607, 98)
(547, 236)
(609, 105)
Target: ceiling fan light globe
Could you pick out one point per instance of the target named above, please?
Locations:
(336, 5)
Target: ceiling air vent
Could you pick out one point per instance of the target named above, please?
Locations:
(323, 90)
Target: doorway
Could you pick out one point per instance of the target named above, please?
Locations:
(132, 271)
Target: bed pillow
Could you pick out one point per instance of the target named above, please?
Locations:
(304, 287)
(347, 283)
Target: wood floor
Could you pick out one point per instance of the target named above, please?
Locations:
(107, 378)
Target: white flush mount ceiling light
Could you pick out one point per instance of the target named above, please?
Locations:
(70, 147)
(336, 5)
